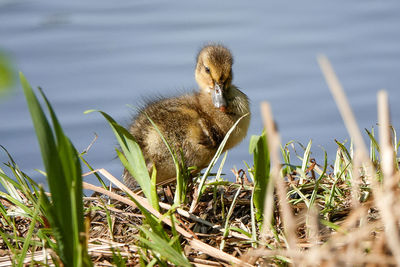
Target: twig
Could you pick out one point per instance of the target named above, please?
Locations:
(274, 146)
(388, 198)
(343, 105)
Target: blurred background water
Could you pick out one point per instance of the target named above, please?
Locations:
(108, 54)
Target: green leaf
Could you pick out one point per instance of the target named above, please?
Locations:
(261, 171)
(164, 248)
(154, 195)
(318, 181)
(239, 230)
(131, 157)
(306, 157)
(213, 161)
(28, 237)
(228, 216)
(182, 175)
(62, 164)
(118, 260)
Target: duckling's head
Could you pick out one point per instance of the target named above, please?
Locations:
(214, 73)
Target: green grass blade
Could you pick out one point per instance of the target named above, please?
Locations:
(175, 235)
(228, 216)
(10, 246)
(131, 156)
(302, 196)
(23, 209)
(181, 170)
(62, 165)
(344, 149)
(318, 181)
(373, 145)
(212, 163)
(72, 171)
(3, 212)
(261, 171)
(219, 172)
(286, 158)
(10, 186)
(239, 230)
(28, 237)
(108, 218)
(95, 173)
(306, 157)
(118, 260)
(154, 195)
(253, 221)
(163, 247)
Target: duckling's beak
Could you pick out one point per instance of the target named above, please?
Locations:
(218, 97)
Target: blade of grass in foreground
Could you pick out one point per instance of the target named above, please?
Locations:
(261, 170)
(61, 161)
(318, 181)
(182, 174)
(163, 247)
(222, 245)
(131, 157)
(28, 237)
(212, 163)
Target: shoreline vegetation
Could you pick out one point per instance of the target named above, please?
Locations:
(276, 213)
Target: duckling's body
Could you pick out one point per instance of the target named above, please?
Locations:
(194, 123)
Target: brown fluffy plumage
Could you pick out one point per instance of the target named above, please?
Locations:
(194, 123)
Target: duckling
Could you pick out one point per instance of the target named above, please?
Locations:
(194, 123)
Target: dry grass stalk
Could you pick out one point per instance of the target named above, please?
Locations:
(343, 105)
(327, 258)
(274, 147)
(216, 253)
(347, 115)
(269, 196)
(355, 185)
(385, 140)
(312, 224)
(5, 261)
(388, 199)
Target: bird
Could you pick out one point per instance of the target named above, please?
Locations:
(194, 124)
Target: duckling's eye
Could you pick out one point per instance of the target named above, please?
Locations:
(207, 69)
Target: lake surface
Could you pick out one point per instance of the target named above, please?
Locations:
(109, 54)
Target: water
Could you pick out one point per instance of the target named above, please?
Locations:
(105, 55)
